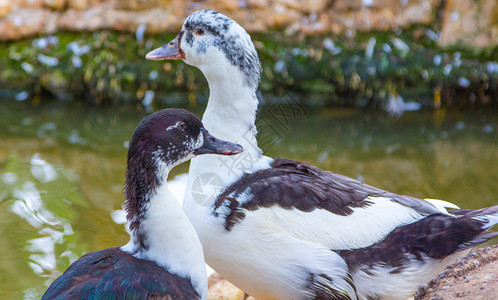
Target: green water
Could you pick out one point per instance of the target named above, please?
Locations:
(62, 168)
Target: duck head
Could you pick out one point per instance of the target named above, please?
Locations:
(160, 142)
(215, 44)
(173, 136)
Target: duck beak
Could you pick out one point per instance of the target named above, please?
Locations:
(171, 50)
(213, 145)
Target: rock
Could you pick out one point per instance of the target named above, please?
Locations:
(225, 5)
(465, 20)
(26, 3)
(79, 4)
(5, 8)
(141, 4)
(304, 16)
(380, 15)
(291, 4)
(313, 6)
(107, 17)
(54, 4)
(473, 277)
(471, 22)
(280, 16)
(260, 4)
(221, 289)
(27, 22)
(213, 279)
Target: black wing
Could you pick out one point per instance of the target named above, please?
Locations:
(292, 184)
(114, 274)
(434, 237)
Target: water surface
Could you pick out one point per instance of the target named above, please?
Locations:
(62, 170)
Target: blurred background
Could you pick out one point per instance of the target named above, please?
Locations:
(400, 94)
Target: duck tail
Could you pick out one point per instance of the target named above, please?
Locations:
(486, 217)
(479, 239)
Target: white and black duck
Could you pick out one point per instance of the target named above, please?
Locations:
(164, 258)
(283, 229)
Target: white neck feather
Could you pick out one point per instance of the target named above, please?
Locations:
(230, 115)
(171, 238)
(231, 110)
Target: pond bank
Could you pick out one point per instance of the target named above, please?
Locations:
(367, 69)
(473, 277)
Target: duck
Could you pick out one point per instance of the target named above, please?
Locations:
(283, 229)
(164, 257)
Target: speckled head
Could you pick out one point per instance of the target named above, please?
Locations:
(161, 141)
(174, 136)
(215, 44)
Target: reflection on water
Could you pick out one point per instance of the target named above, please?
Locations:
(62, 171)
(22, 186)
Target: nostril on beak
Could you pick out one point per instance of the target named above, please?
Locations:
(212, 139)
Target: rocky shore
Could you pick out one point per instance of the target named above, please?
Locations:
(467, 21)
(473, 277)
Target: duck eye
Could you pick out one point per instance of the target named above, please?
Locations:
(199, 31)
(181, 126)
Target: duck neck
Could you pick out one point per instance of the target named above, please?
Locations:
(231, 110)
(160, 230)
(230, 115)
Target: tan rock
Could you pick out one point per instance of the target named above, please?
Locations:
(464, 20)
(26, 3)
(107, 17)
(21, 23)
(310, 6)
(221, 289)
(280, 16)
(224, 290)
(225, 5)
(473, 277)
(380, 17)
(293, 4)
(261, 4)
(139, 4)
(54, 4)
(255, 20)
(214, 278)
(471, 22)
(347, 5)
(5, 8)
(79, 4)
(395, 5)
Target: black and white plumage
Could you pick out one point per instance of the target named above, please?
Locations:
(423, 246)
(164, 258)
(318, 189)
(281, 229)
